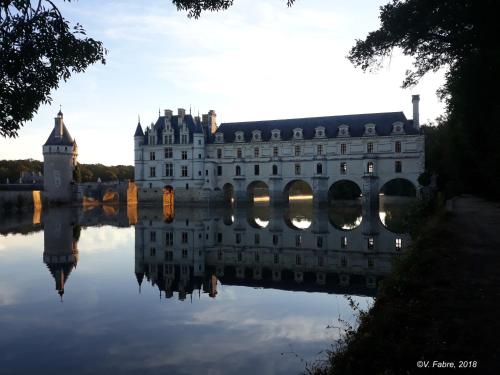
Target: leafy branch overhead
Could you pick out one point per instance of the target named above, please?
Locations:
(196, 7)
(38, 48)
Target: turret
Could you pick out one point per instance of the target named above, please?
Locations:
(416, 116)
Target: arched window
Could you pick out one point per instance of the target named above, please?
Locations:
(319, 168)
(275, 170)
(238, 170)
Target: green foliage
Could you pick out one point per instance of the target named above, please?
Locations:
(38, 48)
(12, 169)
(461, 37)
(196, 7)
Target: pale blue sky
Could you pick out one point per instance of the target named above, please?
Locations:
(258, 60)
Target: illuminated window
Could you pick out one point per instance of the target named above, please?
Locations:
(371, 243)
(343, 168)
(343, 242)
(369, 167)
(399, 244)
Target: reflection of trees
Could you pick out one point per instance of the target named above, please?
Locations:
(344, 216)
(396, 216)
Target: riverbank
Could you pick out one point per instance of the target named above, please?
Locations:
(440, 304)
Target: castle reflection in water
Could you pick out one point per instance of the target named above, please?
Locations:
(343, 249)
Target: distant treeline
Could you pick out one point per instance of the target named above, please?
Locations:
(11, 169)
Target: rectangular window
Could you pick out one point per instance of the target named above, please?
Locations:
(297, 169)
(275, 151)
(343, 148)
(297, 150)
(239, 153)
(343, 168)
(169, 256)
(184, 171)
(169, 238)
(168, 153)
(275, 239)
(371, 263)
(397, 146)
(184, 139)
(152, 155)
(152, 251)
(369, 147)
(238, 238)
(219, 237)
(256, 169)
(219, 254)
(168, 139)
(371, 243)
(276, 258)
(219, 170)
(152, 172)
(152, 236)
(184, 253)
(399, 244)
(169, 170)
(240, 257)
(319, 149)
(256, 152)
(184, 155)
(343, 242)
(298, 260)
(319, 242)
(184, 237)
(343, 261)
(257, 257)
(219, 153)
(257, 239)
(398, 167)
(298, 240)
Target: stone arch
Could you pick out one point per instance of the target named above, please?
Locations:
(297, 190)
(228, 190)
(344, 190)
(402, 187)
(258, 192)
(110, 196)
(258, 217)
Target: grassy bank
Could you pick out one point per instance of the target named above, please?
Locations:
(439, 304)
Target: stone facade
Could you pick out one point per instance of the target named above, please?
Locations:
(202, 162)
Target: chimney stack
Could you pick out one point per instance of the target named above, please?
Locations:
(212, 121)
(181, 112)
(416, 118)
(168, 114)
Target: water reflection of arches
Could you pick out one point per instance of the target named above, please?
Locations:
(297, 190)
(299, 216)
(168, 203)
(131, 193)
(258, 192)
(393, 212)
(258, 216)
(110, 196)
(345, 216)
(344, 190)
(228, 191)
(399, 187)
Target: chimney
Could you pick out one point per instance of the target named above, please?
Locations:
(416, 120)
(168, 114)
(58, 125)
(181, 112)
(212, 121)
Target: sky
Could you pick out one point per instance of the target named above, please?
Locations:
(258, 60)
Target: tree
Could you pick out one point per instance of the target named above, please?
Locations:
(38, 48)
(195, 7)
(462, 38)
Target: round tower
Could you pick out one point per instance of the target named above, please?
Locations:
(59, 161)
(138, 162)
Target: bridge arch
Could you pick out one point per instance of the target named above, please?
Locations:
(344, 190)
(110, 196)
(298, 190)
(228, 191)
(401, 187)
(258, 192)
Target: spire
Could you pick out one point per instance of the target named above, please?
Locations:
(60, 114)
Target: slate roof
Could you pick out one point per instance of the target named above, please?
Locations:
(383, 122)
(65, 140)
(159, 126)
(138, 131)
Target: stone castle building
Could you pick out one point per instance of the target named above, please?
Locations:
(200, 161)
(59, 161)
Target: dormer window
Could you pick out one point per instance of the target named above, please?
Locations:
(238, 136)
(219, 137)
(398, 128)
(370, 130)
(297, 133)
(276, 134)
(256, 136)
(343, 131)
(319, 132)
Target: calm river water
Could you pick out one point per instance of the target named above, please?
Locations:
(214, 291)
